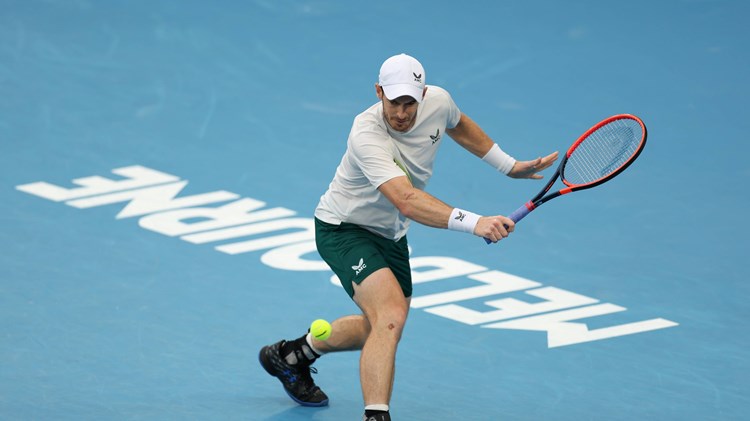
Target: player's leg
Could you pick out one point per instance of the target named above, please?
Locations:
(382, 300)
(348, 333)
(354, 254)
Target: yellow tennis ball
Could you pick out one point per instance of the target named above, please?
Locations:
(320, 329)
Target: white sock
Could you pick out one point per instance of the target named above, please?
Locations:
(377, 407)
(308, 338)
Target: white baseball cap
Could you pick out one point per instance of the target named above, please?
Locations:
(402, 75)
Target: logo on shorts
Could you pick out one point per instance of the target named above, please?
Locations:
(436, 137)
(360, 267)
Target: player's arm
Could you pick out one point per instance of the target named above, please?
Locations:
(471, 137)
(426, 209)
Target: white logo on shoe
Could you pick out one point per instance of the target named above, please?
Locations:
(360, 267)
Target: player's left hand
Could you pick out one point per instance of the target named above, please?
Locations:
(531, 169)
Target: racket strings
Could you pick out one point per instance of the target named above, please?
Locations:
(603, 152)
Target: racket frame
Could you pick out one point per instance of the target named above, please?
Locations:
(540, 198)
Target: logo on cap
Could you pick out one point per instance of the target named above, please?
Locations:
(417, 77)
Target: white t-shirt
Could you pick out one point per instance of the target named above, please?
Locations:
(375, 154)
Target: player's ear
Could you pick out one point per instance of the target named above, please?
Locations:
(379, 91)
(424, 92)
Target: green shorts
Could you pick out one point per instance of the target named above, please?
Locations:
(354, 253)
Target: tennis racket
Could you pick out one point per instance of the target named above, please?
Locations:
(601, 153)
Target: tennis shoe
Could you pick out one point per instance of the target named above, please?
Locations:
(296, 379)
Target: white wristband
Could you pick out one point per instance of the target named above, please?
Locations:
(499, 159)
(464, 221)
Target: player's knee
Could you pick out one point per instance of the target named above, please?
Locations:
(392, 322)
(391, 330)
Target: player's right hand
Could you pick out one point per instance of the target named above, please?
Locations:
(494, 228)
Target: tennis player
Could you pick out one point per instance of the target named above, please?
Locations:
(362, 220)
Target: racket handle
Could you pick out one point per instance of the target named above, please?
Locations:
(521, 212)
(517, 215)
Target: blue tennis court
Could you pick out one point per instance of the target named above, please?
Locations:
(160, 164)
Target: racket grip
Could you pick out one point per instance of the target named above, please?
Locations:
(521, 212)
(517, 215)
